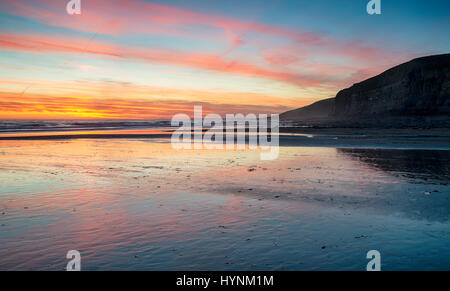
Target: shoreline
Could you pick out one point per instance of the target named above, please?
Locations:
(440, 144)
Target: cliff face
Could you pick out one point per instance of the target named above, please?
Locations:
(411, 92)
(315, 112)
(419, 87)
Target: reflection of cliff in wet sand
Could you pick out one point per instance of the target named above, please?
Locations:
(430, 166)
(422, 178)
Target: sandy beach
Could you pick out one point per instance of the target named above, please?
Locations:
(136, 203)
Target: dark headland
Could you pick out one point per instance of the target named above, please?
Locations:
(413, 95)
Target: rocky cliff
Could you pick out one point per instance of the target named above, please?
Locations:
(413, 92)
(316, 112)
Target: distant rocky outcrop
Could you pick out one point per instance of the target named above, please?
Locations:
(316, 112)
(416, 93)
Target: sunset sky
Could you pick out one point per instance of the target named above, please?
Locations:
(152, 59)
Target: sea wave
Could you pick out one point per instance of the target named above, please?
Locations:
(12, 126)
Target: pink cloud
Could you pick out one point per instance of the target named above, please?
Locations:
(297, 57)
(43, 45)
(118, 18)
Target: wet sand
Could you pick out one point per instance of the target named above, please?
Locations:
(437, 139)
(137, 204)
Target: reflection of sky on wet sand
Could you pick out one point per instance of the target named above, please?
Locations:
(88, 132)
(134, 204)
